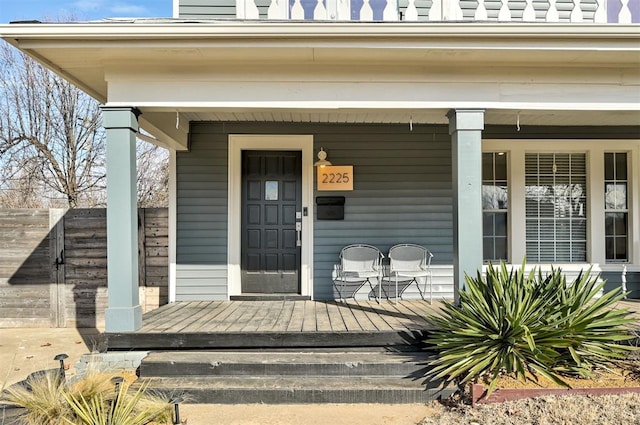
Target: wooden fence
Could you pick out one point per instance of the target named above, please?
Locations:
(53, 266)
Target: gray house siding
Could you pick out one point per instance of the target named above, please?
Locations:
(215, 9)
(201, 248)
(226, 9)
(614, 281)
(402, 194)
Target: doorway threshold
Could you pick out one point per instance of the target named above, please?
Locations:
(269, 297)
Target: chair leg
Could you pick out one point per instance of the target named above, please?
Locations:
(342, 297)
(338, 290)
(341, 288)
(420, 291)
(427, 281)
(373, 289)
(383, 292)
(396, 298)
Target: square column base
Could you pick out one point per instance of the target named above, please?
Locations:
(123, 319)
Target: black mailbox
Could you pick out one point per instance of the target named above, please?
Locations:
(330, 207)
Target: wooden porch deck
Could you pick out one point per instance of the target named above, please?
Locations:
(288, 316)
(634, 307)
(286, 324)
(282, 323)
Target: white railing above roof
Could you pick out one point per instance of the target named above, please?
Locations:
(596, 11)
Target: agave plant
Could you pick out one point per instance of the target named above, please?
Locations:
(512, 322)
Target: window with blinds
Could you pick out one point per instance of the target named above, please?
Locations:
(494, 206)
(556, 207)
(616, 207)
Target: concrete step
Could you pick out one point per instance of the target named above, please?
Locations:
(294, 376)
(298, 390)
(289, 363)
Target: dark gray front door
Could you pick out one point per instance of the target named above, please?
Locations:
(271, 207)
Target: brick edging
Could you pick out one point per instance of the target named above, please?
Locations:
(479, 393)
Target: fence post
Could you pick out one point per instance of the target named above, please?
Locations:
(56, 257)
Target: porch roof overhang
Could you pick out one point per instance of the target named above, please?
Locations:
(239, 70)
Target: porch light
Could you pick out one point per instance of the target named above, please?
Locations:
(322, 159)
(61, 373)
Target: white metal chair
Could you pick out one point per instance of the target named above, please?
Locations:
(359, 264)
(409, 263)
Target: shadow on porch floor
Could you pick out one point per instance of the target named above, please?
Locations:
(284, 323)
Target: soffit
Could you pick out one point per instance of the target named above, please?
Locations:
(84, 54)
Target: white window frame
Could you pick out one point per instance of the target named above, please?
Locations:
(506, 212)
(625, 210)
(594, 149)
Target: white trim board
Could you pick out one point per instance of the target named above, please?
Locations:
(176, 9)
(238, 143)
(173, 225)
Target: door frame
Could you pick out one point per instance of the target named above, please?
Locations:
(285, 142)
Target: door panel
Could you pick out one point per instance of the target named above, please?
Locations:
(271, 196)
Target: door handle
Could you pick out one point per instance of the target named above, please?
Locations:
(298, 233)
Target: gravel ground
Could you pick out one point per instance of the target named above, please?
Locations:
(566, 410)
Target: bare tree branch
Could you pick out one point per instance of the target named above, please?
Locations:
(42, 121)
(153, 176)
(52, 143)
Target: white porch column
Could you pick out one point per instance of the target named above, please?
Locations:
(124, 313)
(465, 127)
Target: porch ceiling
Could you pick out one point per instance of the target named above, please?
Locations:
(100, 56)
(431, 116)
(159, 122)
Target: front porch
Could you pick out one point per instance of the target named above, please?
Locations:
(290, 351)
(278, 324)
(286, 324)
(286, 351)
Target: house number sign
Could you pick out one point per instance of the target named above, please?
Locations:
(334, 177)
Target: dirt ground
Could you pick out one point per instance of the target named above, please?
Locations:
(311, 414)
(26, 350)
(572, 410)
